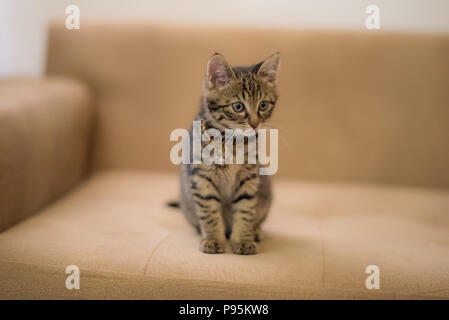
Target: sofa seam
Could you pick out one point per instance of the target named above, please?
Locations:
(156, 248)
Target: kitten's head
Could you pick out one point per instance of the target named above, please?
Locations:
(240, 97)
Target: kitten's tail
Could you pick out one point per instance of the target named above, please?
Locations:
(173, 204)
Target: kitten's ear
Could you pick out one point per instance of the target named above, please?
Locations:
(268, 69)
(219, 72)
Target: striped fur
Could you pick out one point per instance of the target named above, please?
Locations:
(230, 200)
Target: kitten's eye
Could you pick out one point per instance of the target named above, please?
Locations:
(263, 105)
(238, 107)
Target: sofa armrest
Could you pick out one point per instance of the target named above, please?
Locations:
(45, 132)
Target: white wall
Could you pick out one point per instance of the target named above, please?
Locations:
(23, 23)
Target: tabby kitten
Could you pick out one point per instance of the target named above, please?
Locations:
(230, 200)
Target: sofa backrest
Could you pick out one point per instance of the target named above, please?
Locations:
(354, 106)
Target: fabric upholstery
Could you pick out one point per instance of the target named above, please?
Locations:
(362, 167)
(354, 106)
(45, 132)
(319, 240)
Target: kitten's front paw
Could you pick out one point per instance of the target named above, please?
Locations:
(211, 246)
(243, 247)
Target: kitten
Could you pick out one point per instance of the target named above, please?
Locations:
(231, 200)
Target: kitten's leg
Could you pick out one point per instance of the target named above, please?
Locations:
(258, 234)
(264, 198)
(244, 212)
(208, 210)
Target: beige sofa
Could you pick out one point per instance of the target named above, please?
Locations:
(363, 167)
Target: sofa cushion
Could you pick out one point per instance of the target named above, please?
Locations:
(319, 239)
(46, 128)
(367, 107)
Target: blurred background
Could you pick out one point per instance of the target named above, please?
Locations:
(23, 23)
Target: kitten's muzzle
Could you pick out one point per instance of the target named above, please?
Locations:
(254, 124)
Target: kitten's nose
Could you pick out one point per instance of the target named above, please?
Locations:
(254, 124)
